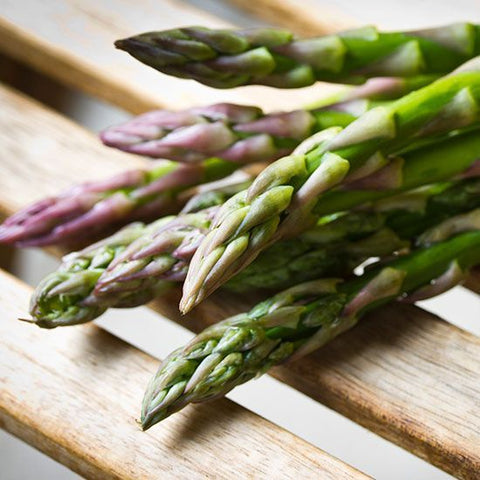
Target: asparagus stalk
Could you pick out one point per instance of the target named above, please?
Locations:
(296, 322)
(288, 195)
(65, 297)
(236, 133)
(244, 134)
(375, 89)
(274, 57)
(94, 208)
(139, 262)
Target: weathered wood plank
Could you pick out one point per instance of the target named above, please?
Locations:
(408, 376)
(43, 88)
(74, 43)
(75, 393)
(414, 381)
(306, 19)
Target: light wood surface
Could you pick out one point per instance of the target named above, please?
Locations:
(74, 394)
(306, 19)
(73, 42)
(414, 381)
(410, 377)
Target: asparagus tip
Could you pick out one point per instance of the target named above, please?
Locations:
(39, 322)
(188, 302)
(121, 44)
(146, 423)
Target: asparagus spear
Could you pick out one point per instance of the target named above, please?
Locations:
(65, 297)
(296, 322)
(91, 209)
(139, 262)
(274, 57)
(375, 89)
(245, 134)
(340, 242)
(232, 132)
(289, 193)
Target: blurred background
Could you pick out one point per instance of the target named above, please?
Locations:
(293, 411)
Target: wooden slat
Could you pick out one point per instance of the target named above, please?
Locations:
(305, 18)
(74, 43)
(410, 377)
(414, 381)
(74, 393)
(34, 84)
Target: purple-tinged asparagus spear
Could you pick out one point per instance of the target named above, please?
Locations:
(244, 134)
(91, 209)
(236, 133)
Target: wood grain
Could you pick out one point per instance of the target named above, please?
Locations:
(309, 19)
(74, 394)
(405, 366)
(74, 44)
(404, 374)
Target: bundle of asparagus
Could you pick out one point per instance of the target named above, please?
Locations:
(365, 177)
(140, 262)
(368, 154)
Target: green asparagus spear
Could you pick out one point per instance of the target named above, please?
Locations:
(340, 242)
(274, 57)
(65, 297)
